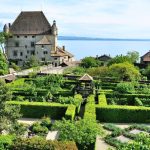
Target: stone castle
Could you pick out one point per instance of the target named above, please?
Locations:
(32, 35)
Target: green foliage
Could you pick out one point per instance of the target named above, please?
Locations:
(98, 71)
(123, 114)
(75, 70)
(133, 55)
(3, 64)
(70, 112)
(6, 141)
(15, 67)
(102, 99)
(41, 109)
(138, 102)
(119, 59)
(38, 129)
(142, 142)
(9, 115)
(124, 71)
(37, 143)
(46, 121)
(89, 62)
(90, 114)
(146, 72)
(32, 62)
(125, 88)
(82, 132)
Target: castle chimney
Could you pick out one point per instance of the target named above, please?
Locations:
(63, 48)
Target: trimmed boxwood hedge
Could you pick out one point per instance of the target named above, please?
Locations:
(70, 113)
(102, 99)
(90, 113)
(40, 109)
(125, 114)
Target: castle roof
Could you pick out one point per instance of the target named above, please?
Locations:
(44, 41)
(30, 23)
(60, 52)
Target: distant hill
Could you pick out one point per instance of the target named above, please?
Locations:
(97, 39)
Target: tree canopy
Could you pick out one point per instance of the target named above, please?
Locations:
(89, 62)
(3, 64)
(124, 71)
(8, 113)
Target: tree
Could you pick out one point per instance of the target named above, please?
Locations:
(124, 71)
(89, 62)
(133, 55)
(32, 62)
(146, 72)
(8, 113)
(3, 64)
(119, 59)
(98, 71)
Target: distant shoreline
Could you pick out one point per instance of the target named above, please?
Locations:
(72, 38)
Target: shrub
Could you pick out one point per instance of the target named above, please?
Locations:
(125, 87)
(90, 113)
(37, 128)
(102, 99)
(70, 112)
(83, 132)
(46, 121)
(40, 109)
(6, 141)
(37, 143)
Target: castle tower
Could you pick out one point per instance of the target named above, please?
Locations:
(6, 28)
(55, 34)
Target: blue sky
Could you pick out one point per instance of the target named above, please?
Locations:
(95, 18)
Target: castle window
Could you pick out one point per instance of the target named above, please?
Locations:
(25, 36)
(55, 58)
(45, 52)
(33, 36)
(43, 59)
(17, 44)
(10, 36)
(42, 45)
(15, 53)
(25, 46)
(21, 53)
(32, 52)
(18, 36)
(27, 51)
(32, 44)
(26, 56)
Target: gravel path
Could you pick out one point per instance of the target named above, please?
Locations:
(101, 145)
(28, 121)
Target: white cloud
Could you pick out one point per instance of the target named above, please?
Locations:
(111, 18)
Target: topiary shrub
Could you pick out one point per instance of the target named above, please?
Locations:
(125, 88)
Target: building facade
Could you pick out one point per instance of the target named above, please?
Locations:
(145, 59)
(32, 35)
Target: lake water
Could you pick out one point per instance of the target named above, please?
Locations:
(92, 48)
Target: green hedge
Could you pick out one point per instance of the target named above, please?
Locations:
(102, 99)
(125, 114)
(90, 113)
(40, 109)
(79, 99)
(70, 113)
